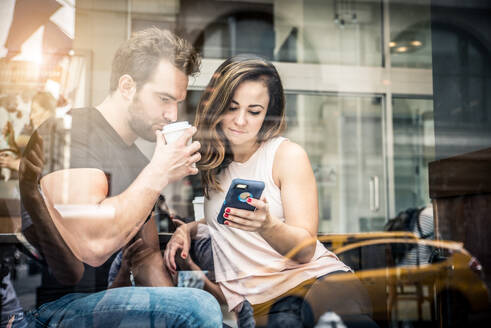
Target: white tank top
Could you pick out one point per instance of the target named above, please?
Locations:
(246, 266)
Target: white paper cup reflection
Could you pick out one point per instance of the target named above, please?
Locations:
(198, 206)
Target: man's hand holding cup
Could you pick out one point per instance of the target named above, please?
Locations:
(175, 153)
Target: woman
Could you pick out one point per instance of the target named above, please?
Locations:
(43, 107)
(240, 118)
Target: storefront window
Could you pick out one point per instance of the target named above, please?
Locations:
(388, 98)
(333, 32)
(414, 148)
(344, 140)
(341, 32)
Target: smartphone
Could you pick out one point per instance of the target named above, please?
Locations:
(237, 195)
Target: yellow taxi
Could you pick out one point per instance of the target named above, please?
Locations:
(334, 241)
(413, 280)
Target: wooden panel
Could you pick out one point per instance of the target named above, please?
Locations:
(10, 224)
(460, 188)
(465, 174)
(9, 207)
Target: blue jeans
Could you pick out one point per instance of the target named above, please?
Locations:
(131, 307)
(16, 320)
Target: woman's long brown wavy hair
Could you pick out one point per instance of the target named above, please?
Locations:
(215, 151)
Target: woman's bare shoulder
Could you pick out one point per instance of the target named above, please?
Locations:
(289, 150)
(290, 158)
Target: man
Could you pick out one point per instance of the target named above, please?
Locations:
(91, 209)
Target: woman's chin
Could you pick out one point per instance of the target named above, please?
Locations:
(234, 141)
(239, 140)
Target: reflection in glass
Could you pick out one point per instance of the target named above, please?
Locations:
(445, 284)
(335, 32)
(414, 148)
(410, 34)
(343, 138)
(341, 32)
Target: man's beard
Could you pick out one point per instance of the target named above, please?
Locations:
(138, 122)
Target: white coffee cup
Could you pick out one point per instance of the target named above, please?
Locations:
(199, 207)
(173, 131)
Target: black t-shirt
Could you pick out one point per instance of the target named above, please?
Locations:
(90, 143)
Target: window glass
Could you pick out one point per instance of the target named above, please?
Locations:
(375, 257)
(334, 32)
(414, 148)
(368, 257)
(340, 32)
(389, 98)
(410, 34)
(352, 258)
(343, 138)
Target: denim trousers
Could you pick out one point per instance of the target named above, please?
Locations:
(13, 320)
(130, 307)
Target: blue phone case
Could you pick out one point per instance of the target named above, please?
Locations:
(237, 194)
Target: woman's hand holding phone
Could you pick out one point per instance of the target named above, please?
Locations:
(254, 221)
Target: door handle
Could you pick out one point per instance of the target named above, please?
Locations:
(373, 184)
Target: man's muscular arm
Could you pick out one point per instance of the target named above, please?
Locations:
(109, 223)
(43, 234)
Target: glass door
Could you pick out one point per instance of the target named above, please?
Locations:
(343, 136)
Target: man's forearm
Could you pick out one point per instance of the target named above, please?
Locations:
(153, 275)
(122, 278)
(132, 207)
(210, 286)
(105, 225)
